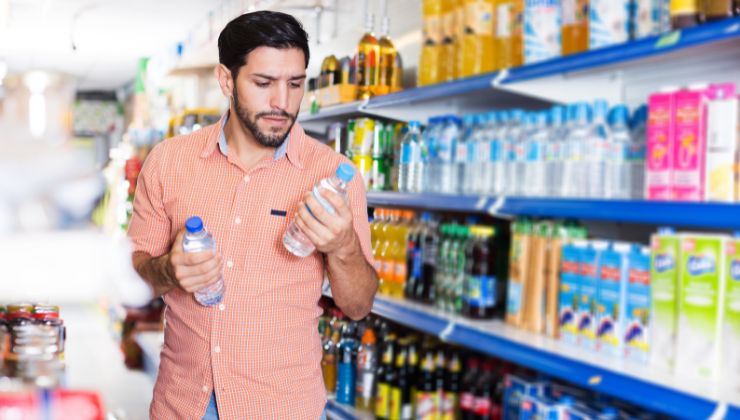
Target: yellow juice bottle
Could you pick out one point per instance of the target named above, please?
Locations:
(429, 60)
(368, 51)
(477, 45)
(449, 43)
(574, 32)
(387, 269)
(508, 34)
(460, 31)
(387, 68)
(376, 237)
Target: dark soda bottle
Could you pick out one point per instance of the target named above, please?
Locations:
(413, 366)
(480, 288)
(413, 262)
(400, 407)
(383, 377)
(426, 394)
(451, 403)
(467, 389)
(484, 393)
(440, 368)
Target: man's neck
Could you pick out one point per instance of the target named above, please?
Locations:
(245, 148)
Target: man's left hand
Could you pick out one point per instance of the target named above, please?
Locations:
(330, 233)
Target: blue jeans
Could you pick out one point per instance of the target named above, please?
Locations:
(212, 410)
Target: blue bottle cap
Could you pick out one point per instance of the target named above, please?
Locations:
(468, 119)
(557, 114)
(582, 112)
(542, 117)
(345, 172)
(516, 114)
(601, 108)
(194, 224)
(414, 124)
(619, 115)
(493, 117)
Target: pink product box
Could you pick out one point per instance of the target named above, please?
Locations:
(689, 144)
(659, 146)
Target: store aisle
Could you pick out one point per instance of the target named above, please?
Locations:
(95, 362)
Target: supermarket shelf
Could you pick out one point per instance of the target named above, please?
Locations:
(656, 391)
(151, 343)
(706, 215)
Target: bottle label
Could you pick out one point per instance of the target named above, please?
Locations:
(317, 195)
(382, 401)
(346, 383)
(426, 405)
(448, 407)
(365, 385)
(400, 272)
(388, 270)
(504, 26)
(479, 18)
(514, 298)
(482, 407)
(417, 263)
(467, 401)
(484, 151)
(395, 404)
(481, 291)
(406, 153)
(407, 412)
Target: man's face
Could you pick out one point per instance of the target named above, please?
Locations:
(268, 91)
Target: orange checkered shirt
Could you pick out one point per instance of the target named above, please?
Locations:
(260, 350)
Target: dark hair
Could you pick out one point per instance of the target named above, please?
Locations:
(259, 29)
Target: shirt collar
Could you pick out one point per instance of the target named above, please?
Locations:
(290, 147)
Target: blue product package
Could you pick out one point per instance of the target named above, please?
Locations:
(570, 288)
(515, 391)
(542, 38)
(610, 299)
(637, 316)
(589, 269)
(535, 407)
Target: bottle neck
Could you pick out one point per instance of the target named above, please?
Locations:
(198, 234)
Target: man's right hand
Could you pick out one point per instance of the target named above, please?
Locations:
(192, 271)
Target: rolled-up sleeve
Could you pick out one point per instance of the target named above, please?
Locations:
(150, 227)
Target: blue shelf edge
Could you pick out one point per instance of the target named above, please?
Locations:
(652, 396)
(697, 214)
(336, 410)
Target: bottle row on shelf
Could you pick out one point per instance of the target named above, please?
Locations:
(462, 38)
(32, 338)
(674, 306)
(681, 146)
(393, 374)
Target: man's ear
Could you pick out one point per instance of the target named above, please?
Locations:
(225, 81)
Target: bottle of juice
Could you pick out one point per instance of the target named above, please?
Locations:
(449, 41)
(684, 13)
(460, 34)
(429, 60)
(574, 32)
(399, 255)
(716, 9)
(387, 268)
(376, 237)
(508, 34)
(387, 67)
(477, 42)
(367, 61)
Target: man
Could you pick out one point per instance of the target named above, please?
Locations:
(257, 354)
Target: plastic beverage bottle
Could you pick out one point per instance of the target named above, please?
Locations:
(451, 399)
(478, 56)
(512, 136)
(481, 288)
(535, 166)
(461, 152)
(346, 366)
(461, 264)
(426, 394)
(368, 56)
(294, 240)
(472, 176)
(413, 259)
(440, 275)
(431, 49)
(367, 366)
(410, 156)
(430, 242)
(446, 147)
(198, 239)
(448, 50)
(399, 254)
(467, 391)
(498, 153)
(638, 150)
(383, 376)
(618, 169)
(400, 406)
(329, 362)
(481, 174)
(387, 68)
(573, 184)
(508, 33)
(599, 145)
(520, 154)
(557, 133)
(574, 31)
(430, 137)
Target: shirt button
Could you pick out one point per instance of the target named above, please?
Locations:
(237, 220)
(205, 388)
(229, 263)
(217, 349)
(246, 178)
(221, 307)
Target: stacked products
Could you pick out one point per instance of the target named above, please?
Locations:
(692, 144)
(454, 267)
(462, 38)
(32, 340)
(371, 145)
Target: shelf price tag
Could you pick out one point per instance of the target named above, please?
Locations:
(595, 380)
(668, 40)
(494, 209)
(445, 333)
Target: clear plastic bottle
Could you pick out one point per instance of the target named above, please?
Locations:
(482, 156)
(294, 240)
(599, 145)
(535, 166)
(618, 170)
(472, 142)
(520, 154)
(637, 152)
(448, 140)
(573, 183)
(513, 134)
(430, 136)
(553, 150)
(461, 153)
(499, 153)
(410, 156)
(489, 172)
(198, 239)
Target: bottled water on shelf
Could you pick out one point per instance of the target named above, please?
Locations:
(573, 182)
(597, 149)
(294, 239)
(447, 169)
(534, 166)
(512, 137)
(430, 137)
(618, 174)
(198, 239)
(637, 153)
(557, 135)
(499, 152)
(461, 153)
(410, 166)
(480, 176)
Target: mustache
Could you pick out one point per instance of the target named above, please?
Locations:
(280, 113)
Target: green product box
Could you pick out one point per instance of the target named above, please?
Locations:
(701, 300)
(731, 366)
(664, 260)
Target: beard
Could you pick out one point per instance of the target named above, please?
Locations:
(273, 138)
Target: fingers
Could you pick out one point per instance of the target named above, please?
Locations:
(310, 224)
(195, 283)
(337, 201)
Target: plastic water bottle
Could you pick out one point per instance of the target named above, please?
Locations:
(294, 239)
(637, 152)
(410, 157)
(512, 137)
(618, 171)
(573, 184)
(430, 136)
(347, 367)
(472, 176)
(461, 152)
(599, 141)
(535, 156)
(447, 143)
(499, 153)
(553, 150)
(197, 239)
(491, 131)
(520, 153)
(482, 156)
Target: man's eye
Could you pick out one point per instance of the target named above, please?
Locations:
(262, 84)
(295, 85)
